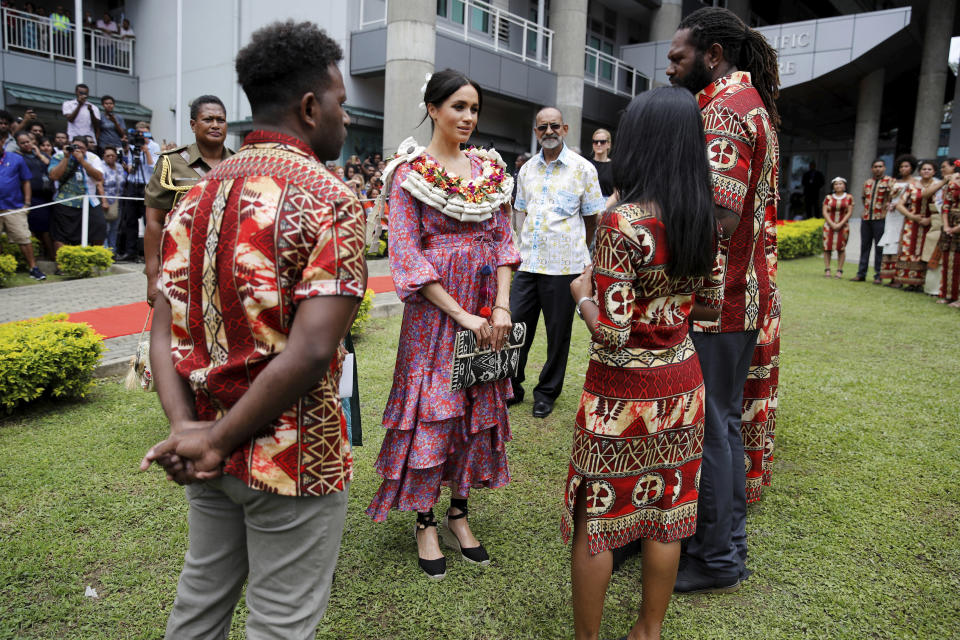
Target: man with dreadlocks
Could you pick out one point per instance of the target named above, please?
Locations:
(732, 70)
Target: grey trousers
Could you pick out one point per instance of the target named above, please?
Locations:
(718, 549)
(284, 547)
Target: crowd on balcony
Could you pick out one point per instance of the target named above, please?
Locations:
(32, 28)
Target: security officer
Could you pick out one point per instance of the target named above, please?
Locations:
(177, 171)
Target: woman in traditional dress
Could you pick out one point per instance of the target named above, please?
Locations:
(933, 189)
(837, 209)
(893, 226)
(950, 243)
(451, 258)
(918, 210)
(637, 443)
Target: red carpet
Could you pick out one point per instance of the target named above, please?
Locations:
(128, 319)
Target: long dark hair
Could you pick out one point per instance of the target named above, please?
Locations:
(662, 158)
(742, 46)
(444, 84)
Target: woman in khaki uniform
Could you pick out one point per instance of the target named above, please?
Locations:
(177, 171)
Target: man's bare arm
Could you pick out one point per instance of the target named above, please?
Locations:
(319, 326)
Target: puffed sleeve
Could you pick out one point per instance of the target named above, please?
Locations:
(618, 246)
(730, 151)
(507, 254)
(409, 267)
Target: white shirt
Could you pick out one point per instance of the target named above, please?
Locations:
(555, 198)
(107, 27)
(82, 125)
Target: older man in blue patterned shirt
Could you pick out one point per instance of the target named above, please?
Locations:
(558, 196)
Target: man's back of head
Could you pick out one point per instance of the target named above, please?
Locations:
(289, 74)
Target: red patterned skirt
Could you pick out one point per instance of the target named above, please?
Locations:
(950, 267)
(835, 239)
(911, 270)
(759, 418)
(637, 447)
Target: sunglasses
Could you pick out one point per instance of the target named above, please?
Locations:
(554, 126)
(600, 141)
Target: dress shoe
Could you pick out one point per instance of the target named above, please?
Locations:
(858, 279)
(689, 582)
(514, 400)
(542, 409)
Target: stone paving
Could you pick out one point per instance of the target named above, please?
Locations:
(125, 285)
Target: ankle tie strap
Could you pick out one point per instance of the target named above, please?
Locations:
(458, 503)
(425, 519)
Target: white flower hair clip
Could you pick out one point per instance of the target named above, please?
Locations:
(426, 80)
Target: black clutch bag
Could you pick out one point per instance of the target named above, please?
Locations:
(472, 366)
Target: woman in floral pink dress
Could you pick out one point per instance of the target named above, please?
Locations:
(451, 258)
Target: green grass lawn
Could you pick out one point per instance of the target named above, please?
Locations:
(857, 538)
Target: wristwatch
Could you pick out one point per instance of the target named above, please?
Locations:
(580, 302)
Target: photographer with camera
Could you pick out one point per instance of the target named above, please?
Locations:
(138, 159)
(78, 172)
(112, 127)
(83, 117)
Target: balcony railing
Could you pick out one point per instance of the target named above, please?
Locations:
(604, 71)
(31, 34)
(479, 22)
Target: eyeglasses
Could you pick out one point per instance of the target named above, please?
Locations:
(600, 141)
(554, 126)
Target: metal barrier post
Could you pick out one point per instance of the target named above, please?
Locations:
(85, 221)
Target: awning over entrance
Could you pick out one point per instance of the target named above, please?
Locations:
(26, 96)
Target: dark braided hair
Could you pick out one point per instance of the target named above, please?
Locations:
(742, 46)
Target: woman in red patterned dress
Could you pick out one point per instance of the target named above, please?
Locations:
(451, 259)
(950, 244)
(918, 210)
(837, 208)
(634, 468)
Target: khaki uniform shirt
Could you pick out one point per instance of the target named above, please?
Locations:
(175, 173)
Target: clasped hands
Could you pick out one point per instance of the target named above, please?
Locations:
(491, 332)
(189, 454)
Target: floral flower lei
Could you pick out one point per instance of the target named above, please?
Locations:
(475, 190)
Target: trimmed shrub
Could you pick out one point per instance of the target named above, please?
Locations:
(46, 357)
(8, 266)
(81, 262)
(10, 249)
(799, 239)
(363, 313)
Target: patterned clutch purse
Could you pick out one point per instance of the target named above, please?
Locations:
(472, 366)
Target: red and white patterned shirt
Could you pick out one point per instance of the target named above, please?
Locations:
(265, 230)
(743, 152)
(876, 197)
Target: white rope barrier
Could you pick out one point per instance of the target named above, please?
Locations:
(85, 210)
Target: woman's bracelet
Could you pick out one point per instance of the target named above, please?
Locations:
(497, 306)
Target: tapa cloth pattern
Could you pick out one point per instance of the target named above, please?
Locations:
(638, 438)
(265, 230)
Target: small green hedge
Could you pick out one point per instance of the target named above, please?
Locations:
(8, 266)
(799, 239)
(9, 249)
(363, 313)
(81, 262)
(46, 357)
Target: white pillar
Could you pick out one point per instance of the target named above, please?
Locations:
(869, 107)
(568, 18)
(933, 78)
(78, 38)
(665, 20)
(178, 109)
(411, 46)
